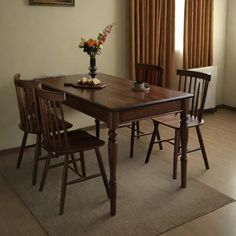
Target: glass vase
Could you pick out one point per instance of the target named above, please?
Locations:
(92, 68)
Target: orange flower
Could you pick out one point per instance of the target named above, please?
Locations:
(94, 46)
(90, 42)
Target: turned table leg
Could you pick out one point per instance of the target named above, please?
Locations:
(112, 153)
(184, 142)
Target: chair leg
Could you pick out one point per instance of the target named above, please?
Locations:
(203, 150)
(103, 172)
(82, 164)
(138, 129)
(40, 147)
(64, 185)
(159, 136)
(36, 158)
(45, 172)
(22, 150)
(132, 140)
(74, 163)
(151, 144)
(97, 122)
(176, 151)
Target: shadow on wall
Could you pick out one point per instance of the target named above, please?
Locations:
(78, 119)
(122, 6)
(11, 135)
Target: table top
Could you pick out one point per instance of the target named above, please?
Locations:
(117, 95)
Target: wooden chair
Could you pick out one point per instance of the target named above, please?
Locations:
(151, 74)
(29, 119)
(197, 84)
(65, 143)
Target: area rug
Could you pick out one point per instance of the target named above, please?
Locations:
(149, 202)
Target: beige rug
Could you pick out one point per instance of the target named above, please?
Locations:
(149, 202)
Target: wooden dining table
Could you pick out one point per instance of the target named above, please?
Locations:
(118, 103)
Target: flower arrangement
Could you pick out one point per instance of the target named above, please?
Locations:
(93, 47)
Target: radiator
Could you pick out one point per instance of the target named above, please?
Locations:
(211, 93)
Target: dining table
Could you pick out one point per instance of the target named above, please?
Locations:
(116, 103)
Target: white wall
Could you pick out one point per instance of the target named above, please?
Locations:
(230, 78)
(219, 45)
(41, 41)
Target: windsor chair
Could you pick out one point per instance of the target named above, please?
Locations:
(29, 119)
(197, 84)
(65, 143)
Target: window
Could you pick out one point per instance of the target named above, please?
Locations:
(179, 25)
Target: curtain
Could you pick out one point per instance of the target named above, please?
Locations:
(152, 34)
(198, 33)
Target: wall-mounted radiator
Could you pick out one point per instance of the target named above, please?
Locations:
(211, 94)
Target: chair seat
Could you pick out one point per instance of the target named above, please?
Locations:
(173, 121)
(79, 140)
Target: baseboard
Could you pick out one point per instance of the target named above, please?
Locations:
(9, 151)
(222, 106)
(17, 149)
(218, 107)
(210, 110)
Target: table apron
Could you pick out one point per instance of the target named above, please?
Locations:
(88, 108)
(150, 111)
(132, 114)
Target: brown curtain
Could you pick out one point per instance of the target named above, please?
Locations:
(198, 33)
(152, 34)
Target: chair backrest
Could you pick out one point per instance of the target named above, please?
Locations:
(197, 84)
(27, 104)
(53, 124)
(151, 74)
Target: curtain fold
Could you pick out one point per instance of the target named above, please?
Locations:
(198, 33)
(153, 34)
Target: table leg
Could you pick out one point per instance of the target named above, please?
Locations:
(112, 152)
(97, 122)
(184, 143)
